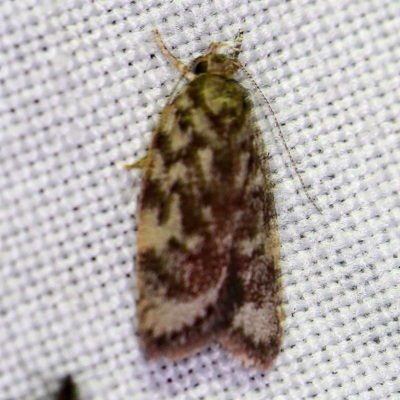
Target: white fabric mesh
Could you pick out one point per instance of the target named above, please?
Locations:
(82, 86)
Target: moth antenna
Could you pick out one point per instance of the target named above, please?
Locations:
(179, 65)
(278, 126)
(215, 46)
(174, 89)
(238, 43)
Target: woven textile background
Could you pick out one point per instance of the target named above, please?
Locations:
(82, 86)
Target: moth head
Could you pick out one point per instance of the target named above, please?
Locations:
(218, 64)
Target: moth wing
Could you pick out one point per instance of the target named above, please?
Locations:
(255, 332)
(186, 228)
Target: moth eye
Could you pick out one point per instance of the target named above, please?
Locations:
(200, 68)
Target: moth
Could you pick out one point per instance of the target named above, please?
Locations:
(208, 242)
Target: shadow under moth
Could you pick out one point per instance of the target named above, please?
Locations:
(208, 242)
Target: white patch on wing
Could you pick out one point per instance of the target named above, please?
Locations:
(177, 172)
(241, 174)
(258, 324)
(247, 246)
(206, 156)
(157, 163)
(152, 235)
(194, 242)
(202, 126)
(165, 316)
(183, 101)
(180, 139)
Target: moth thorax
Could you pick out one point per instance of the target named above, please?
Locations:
(218, 64)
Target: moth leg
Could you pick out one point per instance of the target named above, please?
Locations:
(138, 164)
(184, 69)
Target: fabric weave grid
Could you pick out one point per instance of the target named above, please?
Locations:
(82, 85)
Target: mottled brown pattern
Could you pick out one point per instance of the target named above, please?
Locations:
(208, 240)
